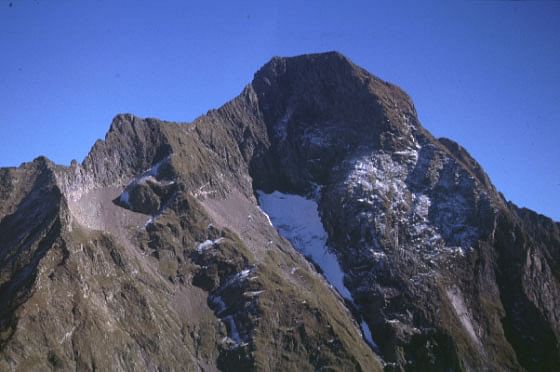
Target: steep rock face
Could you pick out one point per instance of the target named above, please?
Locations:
(317, 110)
(414, 220)
(153, 253)
(30, 225)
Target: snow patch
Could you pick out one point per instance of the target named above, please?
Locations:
(297, 219)
(207, 244)
(150, 175)
(456, 298)
(232, 329)
(422, 205)
(266, 216)
(218, 304)
(149, 221)
(67, 335)
(239, 277)
(252, 293)
(281, 127)
(201, 192)
(379, 187)
(204, 245)
(367, 333)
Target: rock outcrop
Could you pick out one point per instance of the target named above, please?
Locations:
(154, 254)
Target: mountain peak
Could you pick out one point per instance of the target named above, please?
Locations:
(329, 84)
(322, 64)
(123, 120)
(317, 59)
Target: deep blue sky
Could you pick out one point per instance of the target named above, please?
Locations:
(484, 73)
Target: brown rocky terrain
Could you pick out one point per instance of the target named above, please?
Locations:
(153, 254)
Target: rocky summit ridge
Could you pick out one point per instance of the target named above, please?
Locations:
(153, 253)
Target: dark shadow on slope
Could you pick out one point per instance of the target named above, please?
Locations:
(35, 220)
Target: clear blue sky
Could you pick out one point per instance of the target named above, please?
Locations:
(484, 73)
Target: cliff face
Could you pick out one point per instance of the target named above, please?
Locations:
(153, 253)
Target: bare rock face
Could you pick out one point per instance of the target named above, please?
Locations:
(153, 253)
